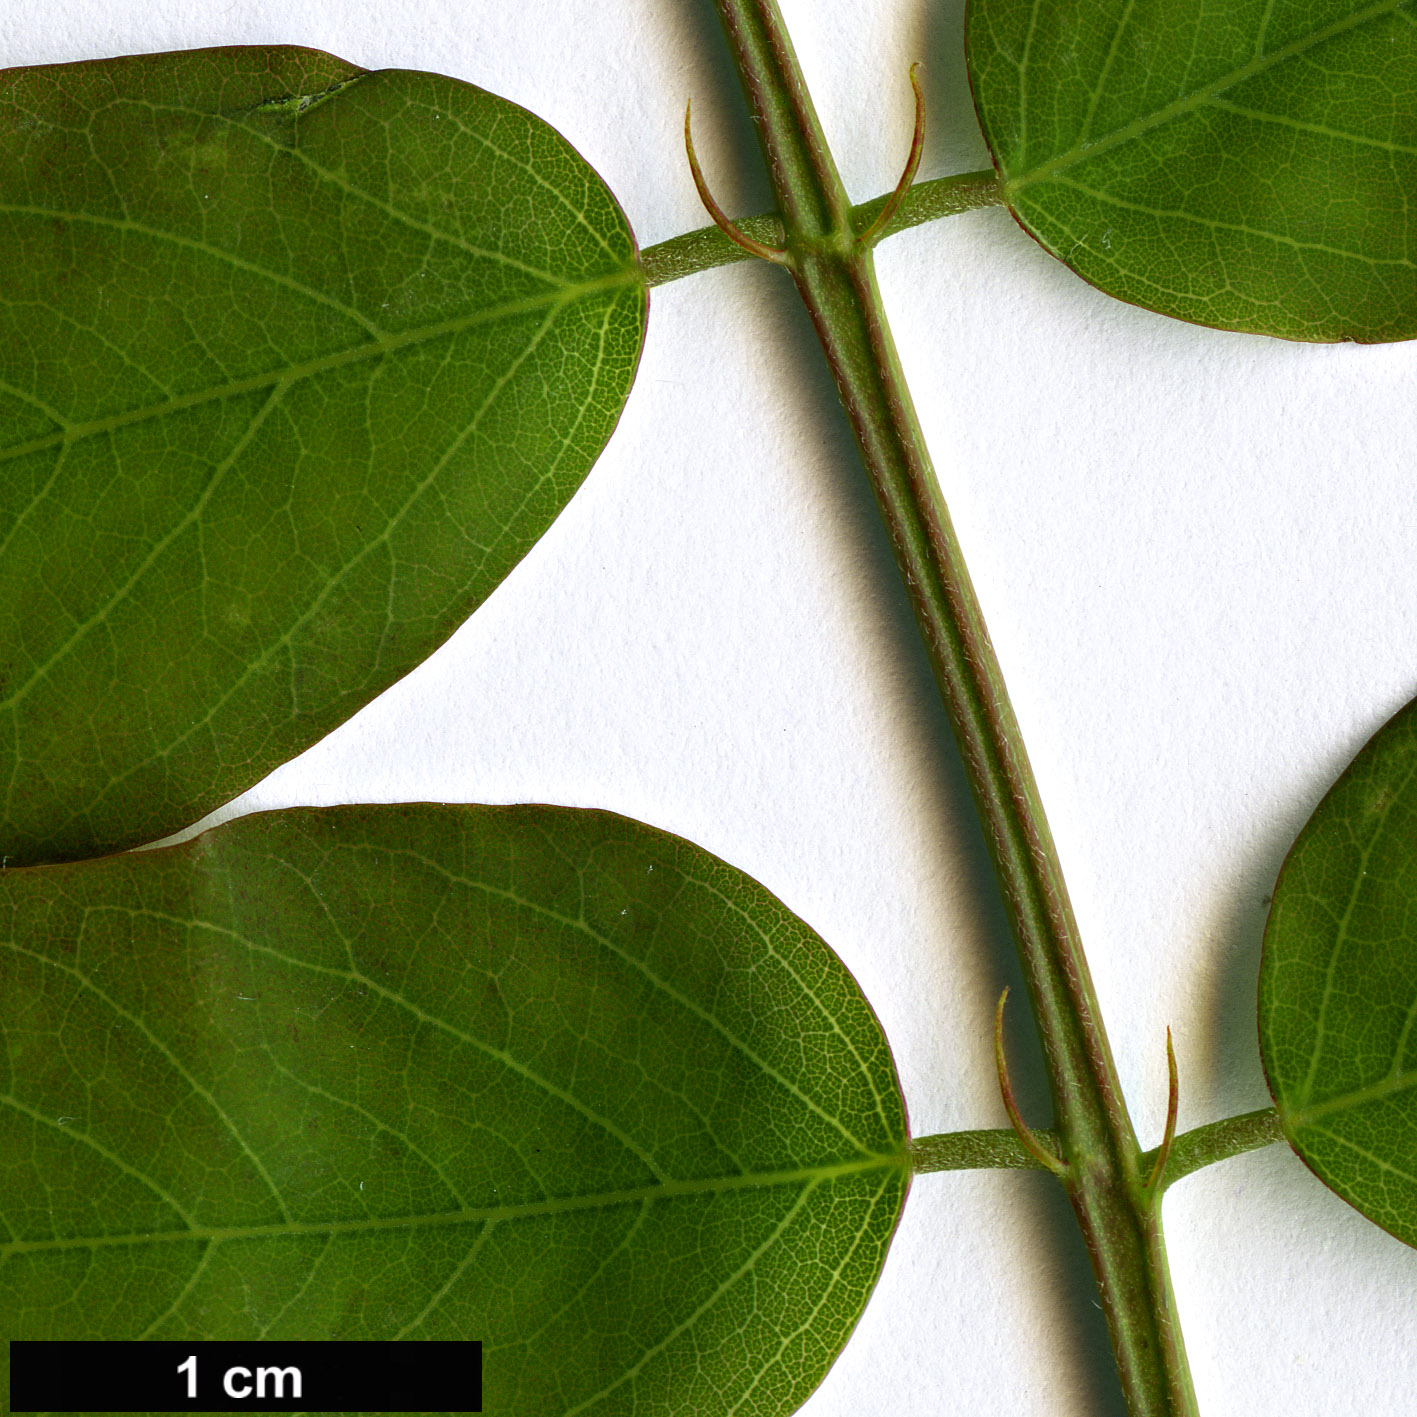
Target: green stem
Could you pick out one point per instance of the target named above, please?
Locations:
(1001, 1149)
(1118, 1214)
(1218, 1141)
(971, 1151)
(708, 247)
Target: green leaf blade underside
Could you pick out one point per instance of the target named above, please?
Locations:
(1338, 984)
(296, 363)
(1247, 164)
(544, 1077)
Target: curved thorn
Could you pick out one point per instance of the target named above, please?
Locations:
(1031, 1143)
(753, 248)
(912, 165)
(1163, 1152)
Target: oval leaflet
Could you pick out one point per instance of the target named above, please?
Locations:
(543, 1077)
(296, 362)
(1338, 984)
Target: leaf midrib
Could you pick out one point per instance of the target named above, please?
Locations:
(554, 1205)
(1180, 107)
(293, 373)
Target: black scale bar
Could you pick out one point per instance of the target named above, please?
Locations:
(245, 1377)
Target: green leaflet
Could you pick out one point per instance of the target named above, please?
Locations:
(1248, 164)
(296, 362)
(545, 1077)
(1338, 984)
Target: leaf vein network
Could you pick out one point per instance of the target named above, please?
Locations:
(204, 248)
(154, 554)
(1350, 1145)
(801, 983)
(720, 1289)
(1188, 103)
(667, 989)
(282, 642)
(499, 1055)
(110, 1156)
(1243, 228)
(209, 1248)
(473, 1250)
(1365, 852)
(176, 1063)
(383, 1125)
(405, 218)
(828, 1289)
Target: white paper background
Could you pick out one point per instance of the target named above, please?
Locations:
(1195, 550)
